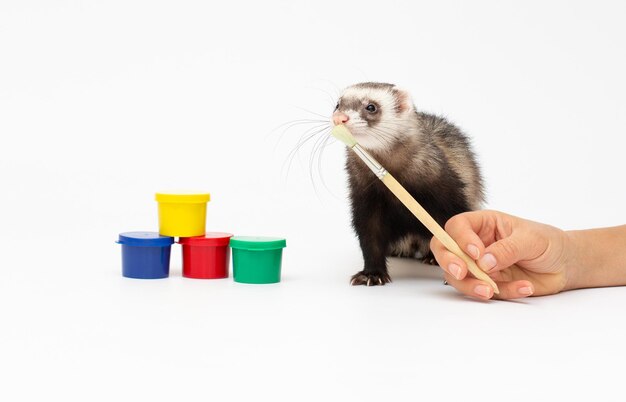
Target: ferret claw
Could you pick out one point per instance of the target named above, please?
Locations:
(429, 260)
(369, 279)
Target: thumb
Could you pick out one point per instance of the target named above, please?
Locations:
(502, 254)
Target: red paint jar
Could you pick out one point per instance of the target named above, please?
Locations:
(206, 257)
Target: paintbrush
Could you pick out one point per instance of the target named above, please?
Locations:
(343, 134)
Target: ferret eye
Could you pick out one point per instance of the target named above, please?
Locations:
(371, 108)
(337, 107)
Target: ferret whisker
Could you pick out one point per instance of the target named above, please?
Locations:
(306, 137)
(313, 113)
(313, 128)
(294, 123)
(319, 165)
(384, 138)
(316, 149)
(330, 96)
(386, 131)
(391, 125)
(295, 153)
(335, 88)
(303, 121)
(384, 142)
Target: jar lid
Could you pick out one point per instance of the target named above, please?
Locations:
(183, 197)
(209, 239)
(145, 239)
(257, 242)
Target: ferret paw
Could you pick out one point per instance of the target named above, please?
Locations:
(429, 259)
(370, 279)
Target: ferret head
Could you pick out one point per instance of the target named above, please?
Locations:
(378, 115)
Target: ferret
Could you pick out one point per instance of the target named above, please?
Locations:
(428, 155)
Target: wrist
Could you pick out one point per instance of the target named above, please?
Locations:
(575, 260)
(597, 258)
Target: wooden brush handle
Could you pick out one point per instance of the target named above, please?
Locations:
(437, 231)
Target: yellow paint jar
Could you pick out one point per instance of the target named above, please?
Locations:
(182, 215)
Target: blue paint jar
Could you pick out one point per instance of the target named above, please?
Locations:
(145, 255)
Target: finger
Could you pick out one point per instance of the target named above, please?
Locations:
(465, 228)
(515, 290)
(449, 262)
(508, 251)
(471, 287)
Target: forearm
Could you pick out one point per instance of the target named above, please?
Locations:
(597, 258)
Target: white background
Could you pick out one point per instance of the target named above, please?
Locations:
(104, 103)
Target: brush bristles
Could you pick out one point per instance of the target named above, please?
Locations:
(341, 133)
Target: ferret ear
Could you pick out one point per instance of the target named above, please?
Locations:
(404, 101)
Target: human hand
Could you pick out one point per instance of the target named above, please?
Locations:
(523, 257)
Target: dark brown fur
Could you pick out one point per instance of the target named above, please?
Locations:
(435, 164)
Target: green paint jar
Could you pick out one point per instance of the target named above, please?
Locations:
(257, 259)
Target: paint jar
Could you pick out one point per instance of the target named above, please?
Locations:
(206, 257)
(257, 259)
(145, 255)
(182, 215)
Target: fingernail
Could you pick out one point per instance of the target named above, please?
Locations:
(525, 290)
(455, 270)
(482, 290)
(473, 251)
(487, 262)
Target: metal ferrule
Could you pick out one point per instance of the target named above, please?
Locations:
(369, 160)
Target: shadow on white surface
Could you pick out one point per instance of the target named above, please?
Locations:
(402, 269)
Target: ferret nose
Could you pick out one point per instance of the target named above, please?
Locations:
(340, 118)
